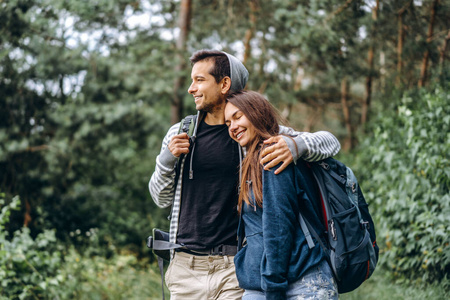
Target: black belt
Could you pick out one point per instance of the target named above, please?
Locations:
(221, 250)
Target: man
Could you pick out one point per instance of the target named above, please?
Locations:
(204, 217)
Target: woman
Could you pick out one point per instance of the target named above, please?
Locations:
(276, 262)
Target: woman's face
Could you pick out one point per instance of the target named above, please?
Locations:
(239, 127)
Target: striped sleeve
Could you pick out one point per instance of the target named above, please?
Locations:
(162, 181)
(321, 144)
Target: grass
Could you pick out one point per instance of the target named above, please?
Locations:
(380, 287)
(126, 278)
(123, 277)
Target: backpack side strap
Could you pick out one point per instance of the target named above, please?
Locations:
(306, 231)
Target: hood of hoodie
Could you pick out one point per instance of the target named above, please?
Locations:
(238, 74)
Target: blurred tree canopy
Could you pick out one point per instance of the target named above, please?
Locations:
(89, 88)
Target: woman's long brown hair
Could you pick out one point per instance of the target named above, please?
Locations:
(264, 118)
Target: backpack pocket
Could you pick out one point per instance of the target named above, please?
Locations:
(356, 265)
(345, 227)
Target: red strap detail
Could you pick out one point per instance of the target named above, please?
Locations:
(324, 212)
(368, 269)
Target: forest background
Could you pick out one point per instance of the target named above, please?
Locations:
(88, 89)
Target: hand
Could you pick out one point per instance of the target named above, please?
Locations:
(179, 144)
(276, 153)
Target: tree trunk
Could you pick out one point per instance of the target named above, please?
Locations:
(400, 40)
(383, 71)
(314, 116)
(250, 33)
(348, 145)
(443, 50)
(184, 22)
(368, 94)
(426, 55)
(27, 215)
(286, 112)
(339, 10)
(262, 62)
(399, 49)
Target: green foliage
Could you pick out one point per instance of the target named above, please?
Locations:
(81, 121)
(85, 101)
(122, 276)
(41, 268)
(405, 168)
(29, 268)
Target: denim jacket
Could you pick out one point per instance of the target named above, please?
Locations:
(276, 252)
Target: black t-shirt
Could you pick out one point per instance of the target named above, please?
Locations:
(208, 215)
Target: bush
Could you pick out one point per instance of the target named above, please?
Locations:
(29, 268)
(43, 268)
(122, 276)
(405, 168)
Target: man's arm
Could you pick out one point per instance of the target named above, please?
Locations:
(162, 183)
(319, 145)
(294, 145)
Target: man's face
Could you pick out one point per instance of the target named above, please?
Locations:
(206, 91)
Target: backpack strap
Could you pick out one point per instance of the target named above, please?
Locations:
(306, 231)
(161, 271)
(187, 125)
(163, 245)
(159, 244)
(306, 227)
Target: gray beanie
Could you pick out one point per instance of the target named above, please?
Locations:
(238, 72)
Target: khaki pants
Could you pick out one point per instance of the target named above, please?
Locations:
(202, 277)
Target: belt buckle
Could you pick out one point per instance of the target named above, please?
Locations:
(216, 250)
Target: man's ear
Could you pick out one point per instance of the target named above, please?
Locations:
(225, 85)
